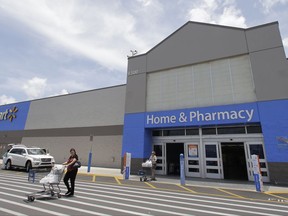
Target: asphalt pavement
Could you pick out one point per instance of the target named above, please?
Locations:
(114, 173)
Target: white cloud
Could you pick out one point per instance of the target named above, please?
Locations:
(222, 12)
(269, 4)
(6, 100)
(102, 32)
(35, 87)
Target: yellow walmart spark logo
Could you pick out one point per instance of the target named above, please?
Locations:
(9, 114)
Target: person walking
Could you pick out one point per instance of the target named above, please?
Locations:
(153, 159)
(71, 172)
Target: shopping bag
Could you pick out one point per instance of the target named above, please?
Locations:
(148, 163)
(77, 164)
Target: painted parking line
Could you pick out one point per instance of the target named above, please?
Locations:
(117, 180)
(150, 185)
(187, 189)
(227, 192)
(210, 191)
(277, 196)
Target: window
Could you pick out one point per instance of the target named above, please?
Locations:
(231, 130)
(176, 132)
(211, 151)
(254, 129)
(192, 132)
(257, 149)
(208, 131)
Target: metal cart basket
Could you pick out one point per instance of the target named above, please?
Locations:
(50, 182)
(145, 171)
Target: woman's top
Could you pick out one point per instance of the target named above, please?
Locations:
(70, 167)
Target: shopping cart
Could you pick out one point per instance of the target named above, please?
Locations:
(145, 171)
(50, 182)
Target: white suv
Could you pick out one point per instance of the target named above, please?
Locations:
(20, 156)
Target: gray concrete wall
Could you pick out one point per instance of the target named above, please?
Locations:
(268, 62)
(136, 93)
(278, 173)
(102, 107)
(106, 150)
(198, 42)
(195, 43)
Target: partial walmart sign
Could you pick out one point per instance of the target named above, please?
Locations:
(229, 114)
(13, 117)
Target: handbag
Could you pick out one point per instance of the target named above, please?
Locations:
(77, 164)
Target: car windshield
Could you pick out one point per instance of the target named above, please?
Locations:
(36, 151)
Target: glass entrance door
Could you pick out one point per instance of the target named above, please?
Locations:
(192, 162)
(257, 149)
(160, 151)
(213, 166)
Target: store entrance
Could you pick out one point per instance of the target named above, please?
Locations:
(234, 161)
(173, 151)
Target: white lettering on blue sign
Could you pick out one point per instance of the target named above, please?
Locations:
(226, 115)
(198, 116)
(151, 119)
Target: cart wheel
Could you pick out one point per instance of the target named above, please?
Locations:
(31, 198)
(59, 195)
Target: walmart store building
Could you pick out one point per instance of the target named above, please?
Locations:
(216, 94)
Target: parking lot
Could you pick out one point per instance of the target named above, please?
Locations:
(217, 188)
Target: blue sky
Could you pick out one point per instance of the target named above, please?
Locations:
(54, 47)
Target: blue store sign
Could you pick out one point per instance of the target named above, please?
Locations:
(229, 114)
(13, 117)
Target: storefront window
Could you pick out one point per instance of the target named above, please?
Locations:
(176, 132)
(231, 130)
(210, 151)
(192, 132)
(254, 129)
(157, 133)
(257, 149)
(208, 131)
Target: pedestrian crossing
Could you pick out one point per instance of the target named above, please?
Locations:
(111, 199)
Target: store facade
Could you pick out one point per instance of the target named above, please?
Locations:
(216, 94)
(90, 121)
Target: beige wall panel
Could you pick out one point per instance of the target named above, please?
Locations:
(106, 150)
(102, 107)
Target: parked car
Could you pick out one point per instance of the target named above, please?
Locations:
(20, 156)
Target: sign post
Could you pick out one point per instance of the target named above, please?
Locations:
(90, 155)
(127, 165)
(257, 173)
(182, 171)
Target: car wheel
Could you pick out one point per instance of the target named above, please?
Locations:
(8, 165)
(28, 166)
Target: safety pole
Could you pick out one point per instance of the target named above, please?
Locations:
(90, 155)
(182, 170)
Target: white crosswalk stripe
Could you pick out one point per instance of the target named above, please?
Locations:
(110, 199)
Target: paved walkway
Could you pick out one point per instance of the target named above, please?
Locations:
(217, 183)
